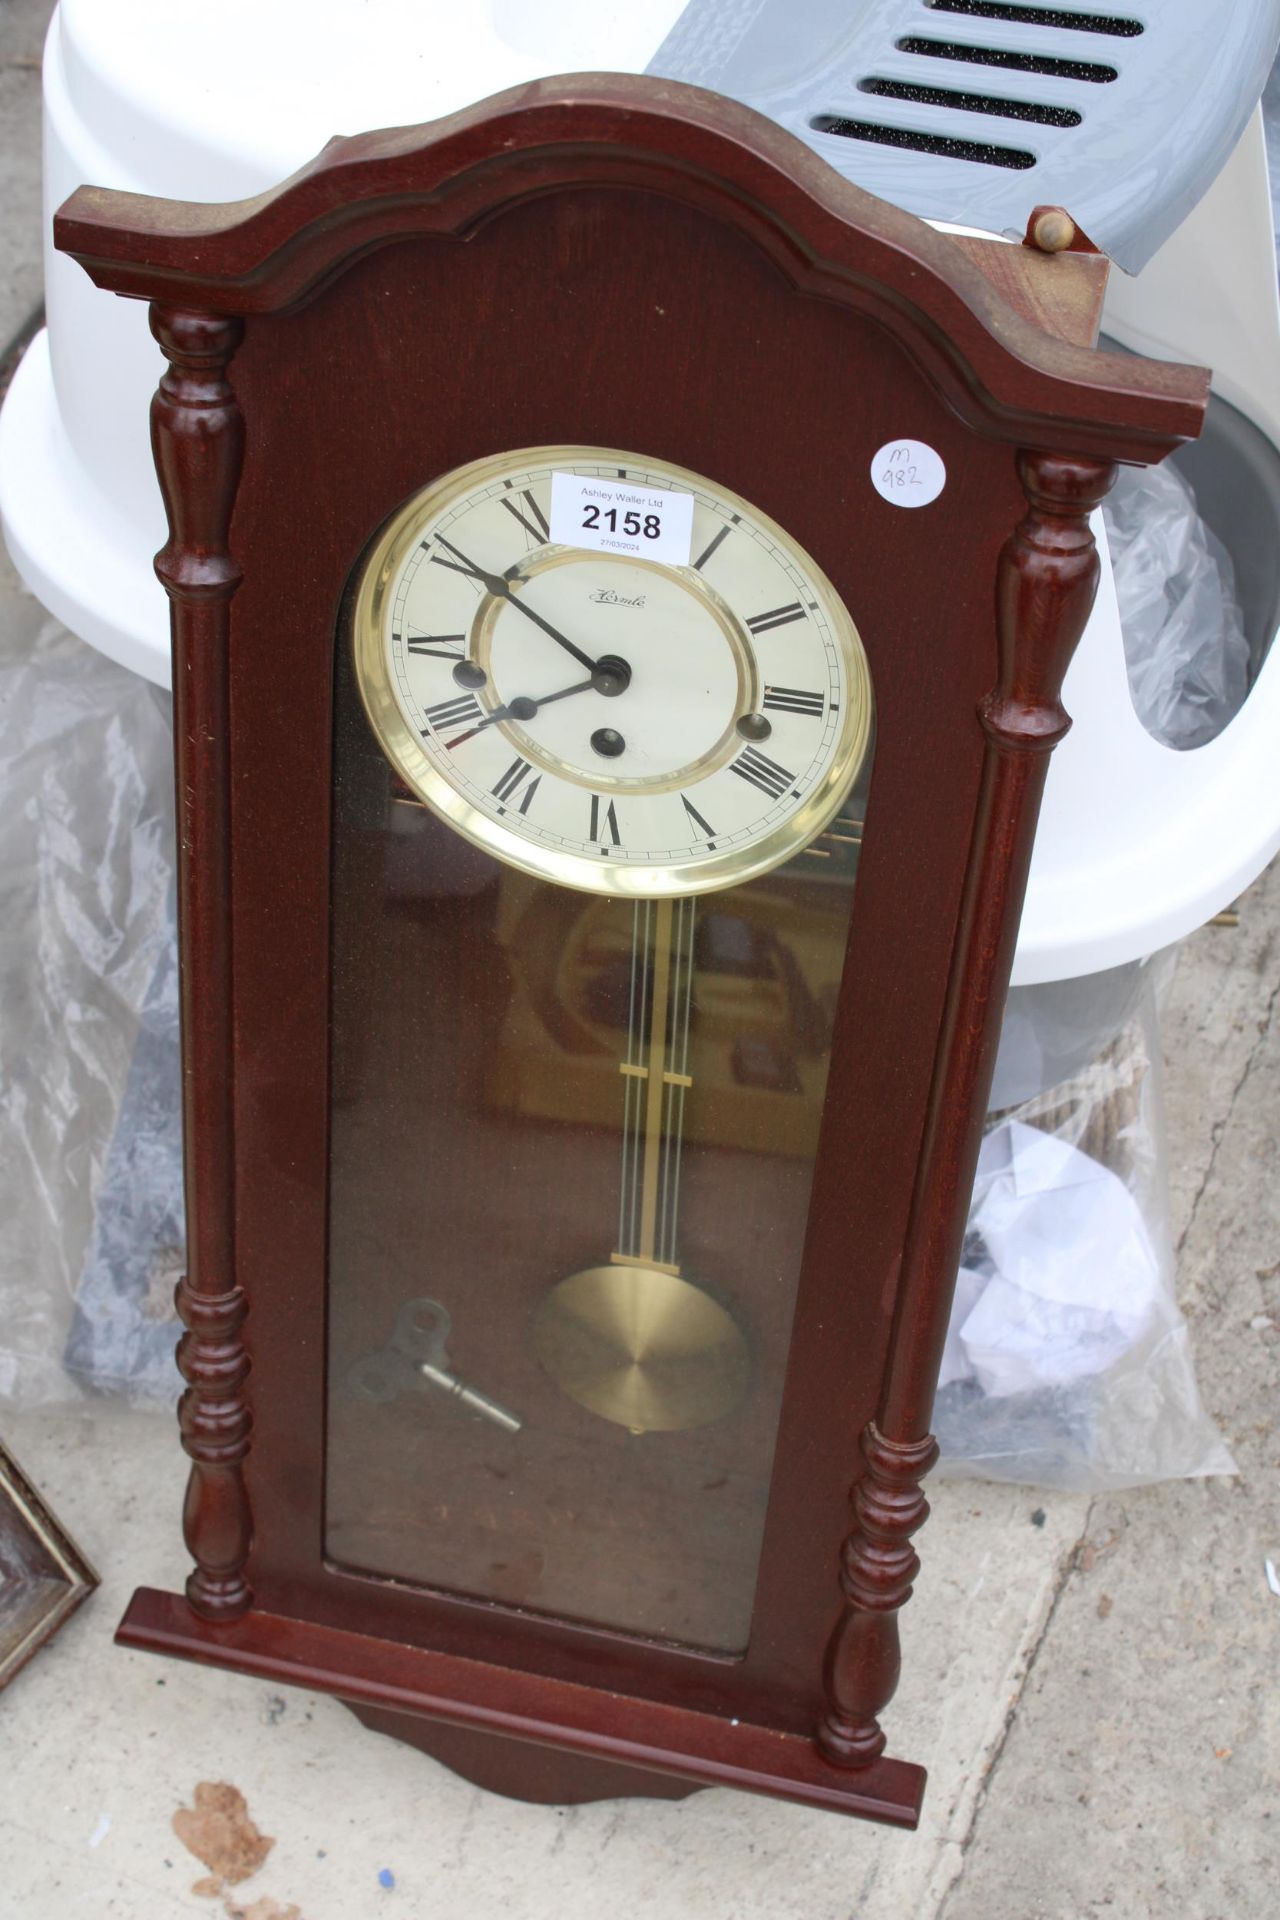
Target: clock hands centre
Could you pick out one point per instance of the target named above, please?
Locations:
(679, 657)
(611, 677)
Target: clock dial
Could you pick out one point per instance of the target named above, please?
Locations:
(601, 719)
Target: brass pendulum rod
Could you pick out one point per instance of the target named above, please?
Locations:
(662, 978)
(631, 1340)
(845, 831)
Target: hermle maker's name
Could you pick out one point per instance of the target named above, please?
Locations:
(607, 597)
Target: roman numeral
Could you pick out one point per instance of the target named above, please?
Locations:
(710, 548)
(703, 826)
(438, 646)
(541, 532)
(762, 772)
(791, 700)
(507, 787)
(610, 822)
(448, 714)
(779, 617)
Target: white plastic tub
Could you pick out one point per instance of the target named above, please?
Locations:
(1138, 844)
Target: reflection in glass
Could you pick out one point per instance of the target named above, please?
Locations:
(572, 1151)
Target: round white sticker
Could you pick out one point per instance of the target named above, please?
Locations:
(907, 473)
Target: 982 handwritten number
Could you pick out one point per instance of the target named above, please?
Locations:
(908, 473)
(633, 524)
(899, 477)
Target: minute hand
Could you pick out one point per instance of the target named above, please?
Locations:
(501, 589)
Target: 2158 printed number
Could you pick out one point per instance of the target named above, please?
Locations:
(632, 524)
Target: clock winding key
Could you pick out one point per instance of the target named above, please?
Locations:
(417, 1357)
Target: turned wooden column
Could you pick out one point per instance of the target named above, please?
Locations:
(1048, 576)
(197, 436)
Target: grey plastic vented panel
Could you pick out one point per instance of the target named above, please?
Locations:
(977, 110)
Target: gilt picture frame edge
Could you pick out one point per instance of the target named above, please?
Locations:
(21, 1505)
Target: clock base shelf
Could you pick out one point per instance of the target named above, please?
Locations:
(531, 1711)
(543, 1776)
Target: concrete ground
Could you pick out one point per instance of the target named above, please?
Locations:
(1090, 1681)
(22, 27)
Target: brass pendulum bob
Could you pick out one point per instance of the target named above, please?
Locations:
(632, 1341)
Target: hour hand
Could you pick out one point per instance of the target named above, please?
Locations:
(521, 708)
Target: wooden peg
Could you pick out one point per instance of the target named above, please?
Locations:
(1053, 230)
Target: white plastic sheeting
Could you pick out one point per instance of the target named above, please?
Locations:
(1072, 1276)
(1184, 640)
(86, 944)
(1067, 1363)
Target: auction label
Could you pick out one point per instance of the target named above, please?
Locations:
(907, 473)
(614, 516)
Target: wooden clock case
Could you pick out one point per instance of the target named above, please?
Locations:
(625, 263)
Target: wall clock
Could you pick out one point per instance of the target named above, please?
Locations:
(622, 578)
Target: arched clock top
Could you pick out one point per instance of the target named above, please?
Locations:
(1006, 377)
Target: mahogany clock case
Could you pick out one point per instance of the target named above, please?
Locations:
(611, 263)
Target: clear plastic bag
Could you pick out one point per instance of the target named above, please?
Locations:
(1184, 639)
(1068, 1363)
(124, 1326)
(86, 882)
(1271, 128)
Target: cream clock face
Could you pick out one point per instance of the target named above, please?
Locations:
(603, 719)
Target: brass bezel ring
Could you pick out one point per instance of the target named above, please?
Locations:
(706, 874)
